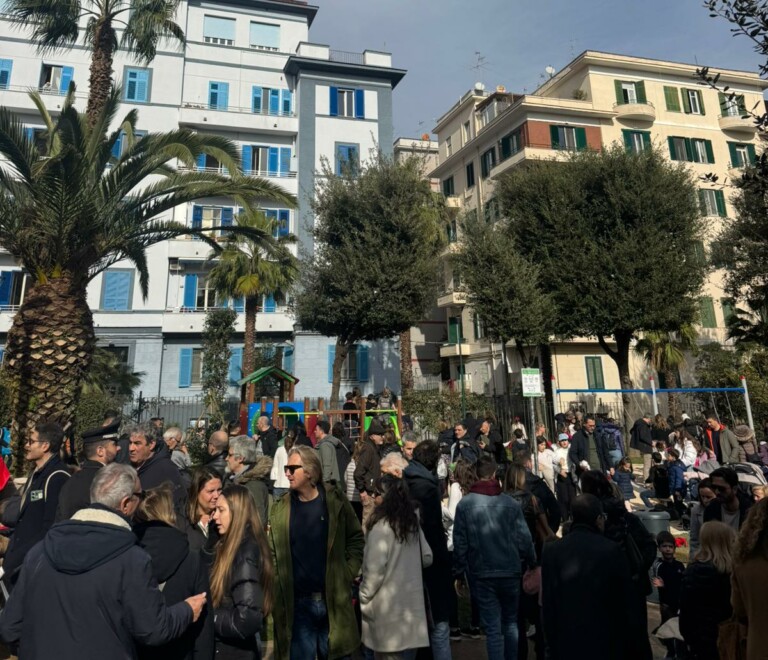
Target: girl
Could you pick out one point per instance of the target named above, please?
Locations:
(623, 478)
(203, 495)
(546, 459)
(241, 577)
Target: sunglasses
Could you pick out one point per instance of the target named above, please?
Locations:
(292, 468)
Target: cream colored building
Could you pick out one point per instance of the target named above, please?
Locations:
(596, 100)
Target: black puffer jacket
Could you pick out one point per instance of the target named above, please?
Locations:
(240, 615)
(705, 602)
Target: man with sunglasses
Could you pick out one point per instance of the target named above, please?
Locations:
(730, 505)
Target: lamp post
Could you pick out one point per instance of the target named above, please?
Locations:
(461, 365)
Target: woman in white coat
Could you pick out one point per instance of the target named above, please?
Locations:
(391, 593)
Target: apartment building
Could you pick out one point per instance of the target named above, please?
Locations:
(247, 72)
(596, 100)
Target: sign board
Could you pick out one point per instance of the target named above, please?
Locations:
(531, 382)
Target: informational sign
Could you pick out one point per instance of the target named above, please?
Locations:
(532, 382)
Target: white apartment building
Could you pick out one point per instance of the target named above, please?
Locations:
(247, 72)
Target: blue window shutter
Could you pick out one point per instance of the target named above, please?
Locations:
(274, 161)
(117, 147)
(29, 133)
(6, 280)
(360, 104)
(197, 217)
(285, 160)
(287, 359)
(287, 102)
(274, 101)
(6, 66)
(223, 96)
(67, 73)
(201, 162)
(227, 217)
(334, 112)
(235, 365)
(284, 222)
(256, 100)
(269, 303)
(2, 355)
(247, 158)
(238, 304)
(117, 291)
(331, 358)
(190, 291)
(142, 85)
(362, 363)
(185, 367)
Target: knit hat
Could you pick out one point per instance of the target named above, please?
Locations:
(743, 433)
(563, 437)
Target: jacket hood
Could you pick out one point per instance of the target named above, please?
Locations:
(332, 439)
(416, 470)
(92, 537)
(704, 572)
(167, 546)
(261, 469)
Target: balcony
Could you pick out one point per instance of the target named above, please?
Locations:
(737, 124)
(527, 153)
(641, 111)
(453, 350)
(454, 202)
(270, 174)
(452, 299)
(183, 320)
(201, 115)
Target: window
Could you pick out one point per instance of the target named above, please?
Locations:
(13, 286)
(207, 163)
(122, 353)
(742, 155)
(728, 313)
(455, 331)
(204, 217)
(470, 175)
(732, 105)
(693, 104)
(266, 161)
(452, 230)
(5, 73)
(679, 148)
(712, 203)
(487, 162)
(510, 145)
(672, 99)
(206, 295)
(218, 30)
(355, 366)
(696, 253)
(117, 290)
(218, 95)
(265, 36)
(636, 141)
(347, 102)
(266, 100)
(448, 186)
(568, 137)
(702, 151)
(448, 147)
(594, 365)
(347, 158)
(707, 310)
(467, 132)
(137, 85)
(55, 79)
(39, 137)
(282, 220)
(190, 367)
(477, 327)
(629, 92)
(121, 144)
(692, 150)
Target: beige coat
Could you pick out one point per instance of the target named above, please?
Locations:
(749, 586)
(391, 593)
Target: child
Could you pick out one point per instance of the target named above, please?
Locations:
(623, 477)
(657, 478)
(546, 459)
(668, 578)
(676, 476)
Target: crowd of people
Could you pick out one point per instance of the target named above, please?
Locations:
(367, 545)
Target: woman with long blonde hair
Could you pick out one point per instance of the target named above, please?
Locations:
(241, 577)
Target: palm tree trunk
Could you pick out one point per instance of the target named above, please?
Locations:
(342, 350)
(249, 335)
(406, 363)
(673, 400)
(49, 349)
(100, 76)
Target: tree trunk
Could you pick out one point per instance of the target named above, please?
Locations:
(673, 399)
(505, 363)
(100, 76)
(48, 351)
(621, 357)
(342, 350)
(249, 338)
(406, 363)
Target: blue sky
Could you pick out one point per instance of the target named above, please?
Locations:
(437, 42)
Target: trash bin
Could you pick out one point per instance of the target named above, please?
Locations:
(654, 521)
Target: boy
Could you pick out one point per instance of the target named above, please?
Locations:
(657, 480)
(676, 475)
(668, 576)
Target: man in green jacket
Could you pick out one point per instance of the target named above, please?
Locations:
(313, 611)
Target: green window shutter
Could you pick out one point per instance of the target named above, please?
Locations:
(701, 101)
(703, 202)
(595, 380)
(732, 152)
(554, 136)
(741, 103)
(581, 138)
(688, 150)
(751, 154)
(727, 305)
(646, 139)
(627, 138)
(671, 143)
(672, 99)
(707, 309)
(723, 103)
(710, 153)
(720, 199)
(640, 91)
(686, 101)
(619, 92)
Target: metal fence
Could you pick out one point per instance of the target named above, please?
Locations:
(184, 412)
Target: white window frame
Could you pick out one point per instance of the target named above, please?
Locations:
(349, 367)
(629, 92)
(448, 147)
(567, 137)
(638, 144)
(699, 148)
(710, 202)
(467, 131)
(205, 296)
(693, 100)
(742, 152)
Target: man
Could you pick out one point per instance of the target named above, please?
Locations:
(489, 440)
(32, 515)
(640, 438)
(154, 465)
(327, 446)
(492, 545)
(535, 485)
(268, 436)
(464, 445)
(158, 424)
(247, 468)
(317, 549)
(424, 489)
(179, 454)
(730, 505)
(218, 445)
(721, 440)
(100, 449)
(610, 434)
(585, 581)
(113, 417)
(587, 447)
(87, 590)
(410, 440)
(367, 468)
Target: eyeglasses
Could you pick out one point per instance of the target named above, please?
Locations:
(292, 468)
(31, 442)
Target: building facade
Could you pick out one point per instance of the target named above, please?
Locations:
(596, 100)
(247, 72)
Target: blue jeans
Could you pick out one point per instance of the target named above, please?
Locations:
(497, 603)
(310, 629)
(646, 496)
(440, 641)
(615, 456)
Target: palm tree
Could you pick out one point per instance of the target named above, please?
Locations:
(749, 324)
(665, 353)
(56, 24)
(251, 266)
(68, 211)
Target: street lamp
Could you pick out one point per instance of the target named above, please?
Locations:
(461, 365)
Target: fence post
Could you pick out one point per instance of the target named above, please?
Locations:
(653, 394)
(276, 411)
(750, 421)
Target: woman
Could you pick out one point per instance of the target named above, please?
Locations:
(390, 444)
(706, 495)
(277, 475)
(241, 577)
(705, 592)
(353, 495)
(179, 572)
(565, 489)
(684, 445)
(203, 494)
(750, 580)
(546, 459)
(395, 552)
(660, 431)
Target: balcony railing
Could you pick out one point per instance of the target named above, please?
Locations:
(224, 171)
(278, 309)
(193, 105)
(346, 57)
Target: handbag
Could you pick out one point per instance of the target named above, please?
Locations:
(732, 640)
(532, 581)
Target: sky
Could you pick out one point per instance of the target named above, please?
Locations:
(447, 46)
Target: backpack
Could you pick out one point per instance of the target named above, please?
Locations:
(343, 458)
(661, 482)
(611, 437)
